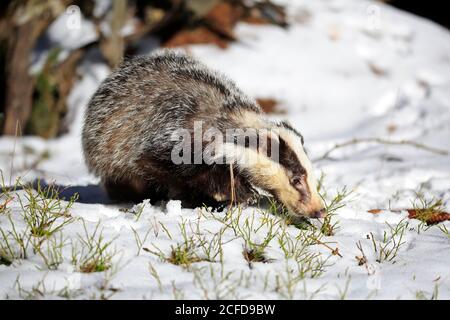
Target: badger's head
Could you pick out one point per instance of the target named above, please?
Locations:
(293, 179)
(288, 174)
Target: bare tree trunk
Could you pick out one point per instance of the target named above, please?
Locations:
(113, 46)
(19, 83)
(23, 22)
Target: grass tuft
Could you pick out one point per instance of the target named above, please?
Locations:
(445, 230)
(44, 212)
(387, 249)
(95, 254)
(256, 254)
(13, 243)
(428, 211)
(184, 253)
(329, 226)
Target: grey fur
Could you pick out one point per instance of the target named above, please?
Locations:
(130, 119)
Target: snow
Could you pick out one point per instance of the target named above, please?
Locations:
(70, 31)
(320, 70)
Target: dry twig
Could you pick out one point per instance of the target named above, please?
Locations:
(354, 141)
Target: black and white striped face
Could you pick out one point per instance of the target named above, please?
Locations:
(299, 194)
(290, 178)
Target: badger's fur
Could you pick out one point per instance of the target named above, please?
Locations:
(128, 138)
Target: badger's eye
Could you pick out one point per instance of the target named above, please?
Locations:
(297, 182)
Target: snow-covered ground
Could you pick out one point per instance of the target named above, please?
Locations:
(343, 70)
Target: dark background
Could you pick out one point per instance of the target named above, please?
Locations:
(436, 10)
(36, 104)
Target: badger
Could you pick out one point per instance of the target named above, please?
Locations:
(129, 128)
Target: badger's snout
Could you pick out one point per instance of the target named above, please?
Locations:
(313, 214)
(318, 214)
(308, 211)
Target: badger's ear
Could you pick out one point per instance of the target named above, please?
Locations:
(288, 126)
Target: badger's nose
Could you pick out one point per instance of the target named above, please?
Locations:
(318, 214)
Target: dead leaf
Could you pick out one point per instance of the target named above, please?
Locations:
(223, 17)
(378, 70)
(361, 260)
(269, 105)
(200, 35)
(430, 217)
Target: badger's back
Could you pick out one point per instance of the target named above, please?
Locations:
(137, 108)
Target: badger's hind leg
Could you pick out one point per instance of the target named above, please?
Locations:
(133, 190)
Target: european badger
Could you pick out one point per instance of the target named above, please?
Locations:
(130, 124)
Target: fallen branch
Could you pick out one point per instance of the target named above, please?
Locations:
(335, 252)
(362, 260)
(417, 145)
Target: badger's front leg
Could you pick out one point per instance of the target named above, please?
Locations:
(243, 195)
(217, 187)
(240, 191)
